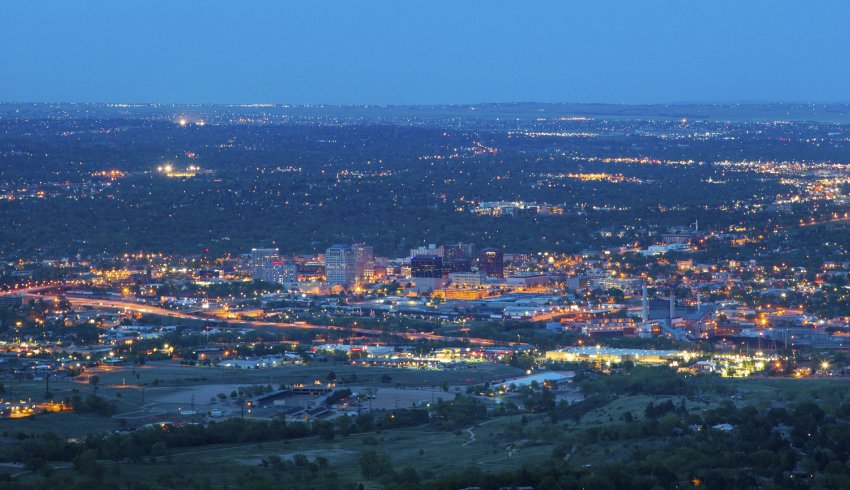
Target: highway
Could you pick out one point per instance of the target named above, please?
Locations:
(37, 292)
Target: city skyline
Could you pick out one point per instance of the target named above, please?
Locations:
(550, 245)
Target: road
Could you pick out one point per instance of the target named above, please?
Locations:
(38, 292)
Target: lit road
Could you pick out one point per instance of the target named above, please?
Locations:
(36, 292)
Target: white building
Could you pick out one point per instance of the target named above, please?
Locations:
(340, 265)
(467, 279)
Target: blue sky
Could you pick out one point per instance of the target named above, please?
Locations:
(424, 52)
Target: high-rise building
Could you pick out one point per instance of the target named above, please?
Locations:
(491, 262)
(265, 263)
(459, 265)
(340, 266)
(264, 253)
(364, 261)
(290, 274)
(427, 273)
(458, 251)
(426, 266)
(458, 257)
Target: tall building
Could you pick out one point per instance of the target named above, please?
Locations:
(457, 265)
(340, 266)
(458, 257)
(491, 262)
(364, 261)
(423, 266)
(427, 273)
(458, 251)
(264, 253)
(266, 264)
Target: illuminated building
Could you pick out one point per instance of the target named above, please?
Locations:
(431, 249)
(364, 259)
(458, 257)
(608, 354)
(267, 265)
(340, 265)
(466, 279)
(491, 262)
(427, 272)
(426, 266)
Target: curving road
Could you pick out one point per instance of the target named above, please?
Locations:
(37, 292)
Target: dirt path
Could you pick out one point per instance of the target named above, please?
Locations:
(510, 453)
(471, 437)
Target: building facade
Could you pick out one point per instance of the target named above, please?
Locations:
(491, 262)
(340, 266)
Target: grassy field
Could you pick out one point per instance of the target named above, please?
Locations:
(492, 445)
(428, 451)
(162, 388)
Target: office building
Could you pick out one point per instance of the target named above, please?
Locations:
(265, 263)
(458, 257)
(340, 266)
(429, 266)
(427, 273)
(364, 261)
(491, 262)
(431, 249)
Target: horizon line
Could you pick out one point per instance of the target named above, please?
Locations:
(435, 104)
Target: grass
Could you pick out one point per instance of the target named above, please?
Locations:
(493, 445)
(138, 388)
(426, 450)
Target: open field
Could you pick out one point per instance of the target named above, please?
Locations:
(495, 444)
(491, 445)
(426, 450)
(144, 394)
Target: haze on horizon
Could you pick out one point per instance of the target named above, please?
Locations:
(435, 52)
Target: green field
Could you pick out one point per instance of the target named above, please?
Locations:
(165, 386)
(492, 445)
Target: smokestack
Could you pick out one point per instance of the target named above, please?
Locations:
(644, 311)
(699, 303)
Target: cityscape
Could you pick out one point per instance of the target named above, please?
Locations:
(228, 294)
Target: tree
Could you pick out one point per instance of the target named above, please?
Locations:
(374, 463)
(94, 381)
(86, 463)
(158, 449)
(337, 396)
(325, 431)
